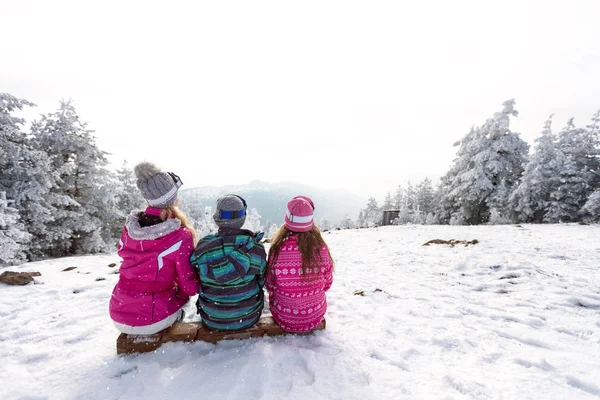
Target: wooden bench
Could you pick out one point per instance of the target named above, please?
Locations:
(195, 331)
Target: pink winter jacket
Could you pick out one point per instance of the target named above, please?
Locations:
(156, 276)
(298, 302)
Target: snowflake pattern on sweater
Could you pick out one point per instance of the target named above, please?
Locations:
(296, 297)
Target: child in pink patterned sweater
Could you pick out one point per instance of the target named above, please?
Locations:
(299, 270)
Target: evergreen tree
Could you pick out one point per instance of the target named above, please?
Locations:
(424, 197)
(591, 209)
(372, 213)
(490, 161)
(409, 197)
(571, 184)
(594, 156)
(445, 204)
(25, 175)
(128, 197)
(83, 194)
(199, 216)
(399, 198)
(324, 224)
(361, 219)
(13, 237)
(531, 198)
(253, 221)
(388, 203)
(273, 228)
(582, 145)
(346, 222)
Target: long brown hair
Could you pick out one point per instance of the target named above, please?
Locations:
(174, 212)
(309, 245)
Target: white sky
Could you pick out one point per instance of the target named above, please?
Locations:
(362, 95)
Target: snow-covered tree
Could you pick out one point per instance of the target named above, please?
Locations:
(324, 224)
(580, 145)
(569, 187)
(25, 174)
(360, 222)
(409, 197)
(591, 209)
(199, 216)
(445, 204)
(594, 156)
(128, 197)
(82, 195)
(424, 196)
(388, 203)
(13, 237)
(489, 163)
(253, 221)
(346, 222)
(399, 198)
(531, 198)
(430, 219)
(371, 214)
(271, 231)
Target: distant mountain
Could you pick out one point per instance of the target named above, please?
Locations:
(270, 199)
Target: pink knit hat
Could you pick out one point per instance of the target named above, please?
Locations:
(299, 217)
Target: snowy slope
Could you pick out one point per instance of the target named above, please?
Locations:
(514, 317)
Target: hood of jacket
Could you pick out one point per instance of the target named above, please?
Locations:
(146, 237)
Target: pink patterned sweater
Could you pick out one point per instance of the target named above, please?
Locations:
(298, 302)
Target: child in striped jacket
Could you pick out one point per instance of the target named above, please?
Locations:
(232, 270)
(299, 270)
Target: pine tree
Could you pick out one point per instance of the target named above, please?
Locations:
(445, 204)
(199, 216)
(399, 198)
(570, 186)
(13, 237)
(591, 209)
(582, 145)
(128, 197)
(346, 222)
(409, 197)
(489, 163)
(253, 221)
(24, 176)
(424, 197)
(83, 194)
(388, 203)
(372, 213)
(361, 219)
(324, 224)
(531, 198)
(594, 156)
(271, 231)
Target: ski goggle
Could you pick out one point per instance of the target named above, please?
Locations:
(176, 179)
(233, 214)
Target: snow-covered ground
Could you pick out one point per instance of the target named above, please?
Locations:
(516, 316)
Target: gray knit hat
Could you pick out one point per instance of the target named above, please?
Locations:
(231, 212)
(158, 188)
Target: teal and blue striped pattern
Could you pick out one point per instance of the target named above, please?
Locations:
(232, 273)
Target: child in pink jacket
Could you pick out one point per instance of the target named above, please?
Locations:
(299, 270)
(156, 277)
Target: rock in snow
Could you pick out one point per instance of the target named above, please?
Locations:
(18, 278)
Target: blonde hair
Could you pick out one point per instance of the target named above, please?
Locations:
(175, 212)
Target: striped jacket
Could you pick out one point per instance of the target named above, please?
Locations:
(232, 267)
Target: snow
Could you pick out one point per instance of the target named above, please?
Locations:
(516, 316)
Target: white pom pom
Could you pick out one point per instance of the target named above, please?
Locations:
(145, 170)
